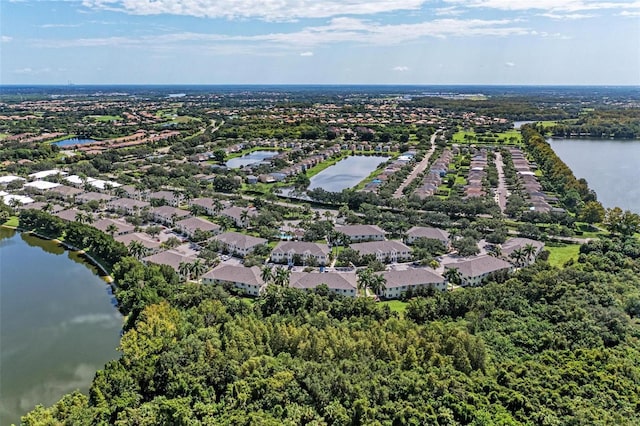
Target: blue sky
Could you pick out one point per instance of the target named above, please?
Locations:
(320, 41)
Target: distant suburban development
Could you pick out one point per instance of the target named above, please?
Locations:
(327, 255)
(457, 196)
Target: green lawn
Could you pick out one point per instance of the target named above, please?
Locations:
(502, 137)
(105, 118)
(12, 222)
(558, 256)
(396, 306)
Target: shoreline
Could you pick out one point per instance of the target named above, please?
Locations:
(102, 271)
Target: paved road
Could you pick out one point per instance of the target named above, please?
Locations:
(419, 168)
(501, 191)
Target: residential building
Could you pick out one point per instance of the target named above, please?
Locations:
(122, 227)
(127, 206)
(172, 258)
(190, 225)
(240, 244)
(247, 279)
(40, 186)
(211, 206)
(168, 215)
(475, 270)
(64, 192)
(427, 232)
(287, 251)
(169, 198)
(150, 244)
(240, 216)
(92, 196)
(344, 284)
(513, 244)
(398, 282)
(385, 251)
(359, 233)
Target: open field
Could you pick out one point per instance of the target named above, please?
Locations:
(558, 256)
(468, 136)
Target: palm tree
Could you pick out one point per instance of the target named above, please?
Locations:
(529, 251)
(198, 268)
(496, 251)
(82, 218)
(378, 284)
(243, 218)
(282, 277)
(112, 229)
(266, 273)
(518, 255)
(184, 269)
(453, 276)
(364, 279)
(137, 250)
(217, 206)
(328, 215)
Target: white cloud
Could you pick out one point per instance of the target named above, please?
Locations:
(448, 11)
(630, 14)
(509, 64)
(400, 68)
(280, 10)
(60, 25)
(338, 30)
(548, 5)
(306, 54)
(5, 39)
(567, 16)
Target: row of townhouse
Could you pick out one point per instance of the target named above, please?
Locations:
(477, 173)
(538, 200)
(287, 252)
(435, 175)
(388, 171)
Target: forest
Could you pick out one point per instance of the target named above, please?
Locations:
(546, 346)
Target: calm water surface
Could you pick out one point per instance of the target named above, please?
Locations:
(251, 158)
(611, 167)
(73, 141)
(58, 324)
(346, 173)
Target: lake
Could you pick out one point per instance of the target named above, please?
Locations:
(58, 324)
(250, 158)
(518, 124)
(611, 167)
(346, 173)
(73, 141)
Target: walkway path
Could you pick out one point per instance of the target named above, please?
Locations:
(419, 168)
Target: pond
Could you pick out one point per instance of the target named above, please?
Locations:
(250, 158)
(346, 173)
(58, 324)
(611, 167)
(74, 141)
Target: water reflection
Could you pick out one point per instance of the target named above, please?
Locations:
(49, 246)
